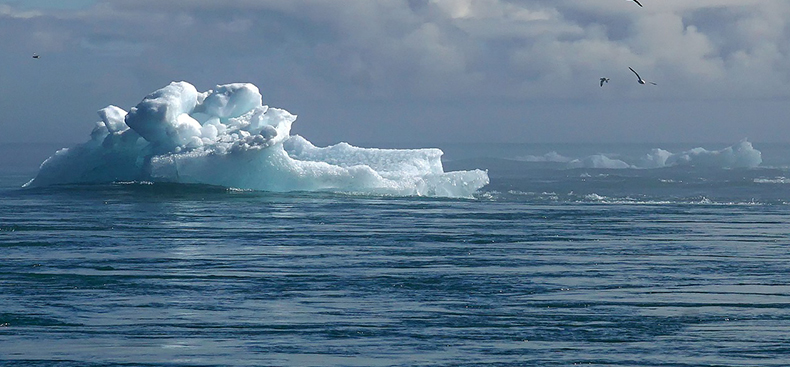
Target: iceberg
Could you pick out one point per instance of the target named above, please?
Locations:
(227, 137)
(598, 161)
(741, 155)
(550, 157)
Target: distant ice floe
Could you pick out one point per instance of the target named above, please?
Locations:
(227, 137)
(741, 155)
(548, 157)
(598, 161)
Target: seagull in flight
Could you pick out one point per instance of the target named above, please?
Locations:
(35, 56)
(637, 3)
(639, 78)
(604, 80)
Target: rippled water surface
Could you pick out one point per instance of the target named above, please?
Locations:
(546, 267)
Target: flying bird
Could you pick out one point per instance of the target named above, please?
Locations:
(35, 56)
(637, 3)
(604, 80)
(639, 78)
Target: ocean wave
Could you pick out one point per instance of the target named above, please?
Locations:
(775, 180)
(601, 199)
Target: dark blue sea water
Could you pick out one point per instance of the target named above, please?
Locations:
(546, 266)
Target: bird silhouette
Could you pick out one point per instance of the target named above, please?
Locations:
(639, 78)
(604, 80)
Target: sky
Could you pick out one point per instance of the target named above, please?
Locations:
(419, 72)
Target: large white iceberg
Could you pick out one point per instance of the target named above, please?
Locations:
(227, 137)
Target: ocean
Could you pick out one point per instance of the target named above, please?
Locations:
(548, 265)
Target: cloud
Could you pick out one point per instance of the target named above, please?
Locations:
(459, 52)
(425, 48)
(7, 11)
